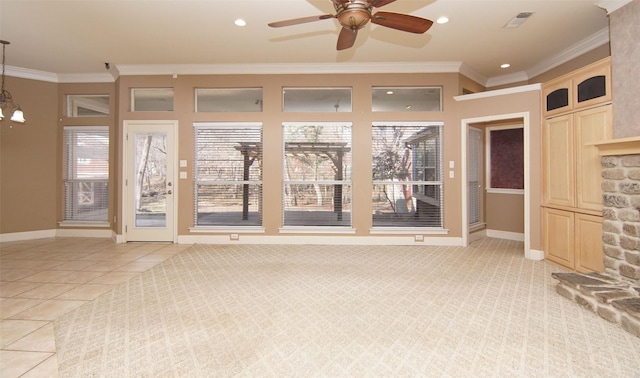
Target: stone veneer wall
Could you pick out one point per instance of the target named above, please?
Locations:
(621, 213)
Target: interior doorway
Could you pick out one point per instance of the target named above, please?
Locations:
(150, 193)
(468, 172)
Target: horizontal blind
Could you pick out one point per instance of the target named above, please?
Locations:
(407, 175)
(228, 175)
(86, 174)
(317, 174)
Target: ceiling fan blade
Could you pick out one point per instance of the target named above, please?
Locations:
(380, 3)
(346, 38)
(301, 20)
(404, 22)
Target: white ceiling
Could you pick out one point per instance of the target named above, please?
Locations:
(67, 38)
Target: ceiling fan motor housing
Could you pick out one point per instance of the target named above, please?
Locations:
(353, 14)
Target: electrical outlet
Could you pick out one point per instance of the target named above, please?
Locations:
(419, 238)
(234, 237)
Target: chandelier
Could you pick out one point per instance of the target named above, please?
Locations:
(6, 101)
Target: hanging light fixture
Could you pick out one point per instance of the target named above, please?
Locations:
(6, 101)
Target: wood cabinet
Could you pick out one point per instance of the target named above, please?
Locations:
(583, 88)
(572, 182)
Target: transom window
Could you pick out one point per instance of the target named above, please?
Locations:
(86, 174)
(407, 175)
(228, 99)
(152, 99)
(87, 105)
(228, 174)
(406, 99)
(317, 174)
(327, 100)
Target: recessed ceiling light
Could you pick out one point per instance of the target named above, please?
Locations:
(389, 92)
(442, 20)
(240, 22)
(505, 65)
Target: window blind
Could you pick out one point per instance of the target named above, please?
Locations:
(317, 174)
(86, 174)
(407, 175)
(228, 174)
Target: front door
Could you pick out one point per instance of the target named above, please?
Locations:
(149, 185)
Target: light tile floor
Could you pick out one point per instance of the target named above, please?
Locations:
(43, 279)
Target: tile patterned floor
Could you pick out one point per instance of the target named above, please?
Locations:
(43, 279)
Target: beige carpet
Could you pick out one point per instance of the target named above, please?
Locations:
(266, 310)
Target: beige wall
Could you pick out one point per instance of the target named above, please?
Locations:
(625, 55)
(587, 58)
(37, 144)
(272, 118)
(505, 212)
(28, 153)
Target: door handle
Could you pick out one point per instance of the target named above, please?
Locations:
(169, 191)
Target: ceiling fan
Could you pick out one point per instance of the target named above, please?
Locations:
(353, 15)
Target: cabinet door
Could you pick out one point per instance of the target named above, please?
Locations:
(558, 236)
(591, 126)
(592, 85)
(589, 246)
(557, 96)
(558, 162)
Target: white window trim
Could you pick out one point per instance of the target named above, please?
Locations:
(487, 178)
(379, 230)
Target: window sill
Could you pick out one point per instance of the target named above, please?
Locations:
(505, 191)
(408, 231)
(227, 230)
(83, 224)
(316, 230)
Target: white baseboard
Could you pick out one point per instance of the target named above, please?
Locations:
(534, 254)
(27, 235)
(326, 240)
(516, 236)
(477, 235)
(82, 233)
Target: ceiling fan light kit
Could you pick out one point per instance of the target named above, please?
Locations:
(353, 15)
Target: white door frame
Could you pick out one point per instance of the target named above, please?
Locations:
(464, 125)
(171, 165)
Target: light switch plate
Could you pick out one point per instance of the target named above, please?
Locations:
(183, 163)
(183, 175)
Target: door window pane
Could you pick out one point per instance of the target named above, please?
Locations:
(151, 180)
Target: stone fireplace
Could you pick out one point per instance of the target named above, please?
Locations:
(621, 208)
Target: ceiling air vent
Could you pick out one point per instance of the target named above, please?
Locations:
(518, 20)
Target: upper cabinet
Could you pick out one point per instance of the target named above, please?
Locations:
(588, 86)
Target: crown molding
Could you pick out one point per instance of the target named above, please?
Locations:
(611, 5)
(26, 73)
(472, 74)
(499, 92)
(597, 39)
(86, 78)
(287, 68)
(515, 77)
